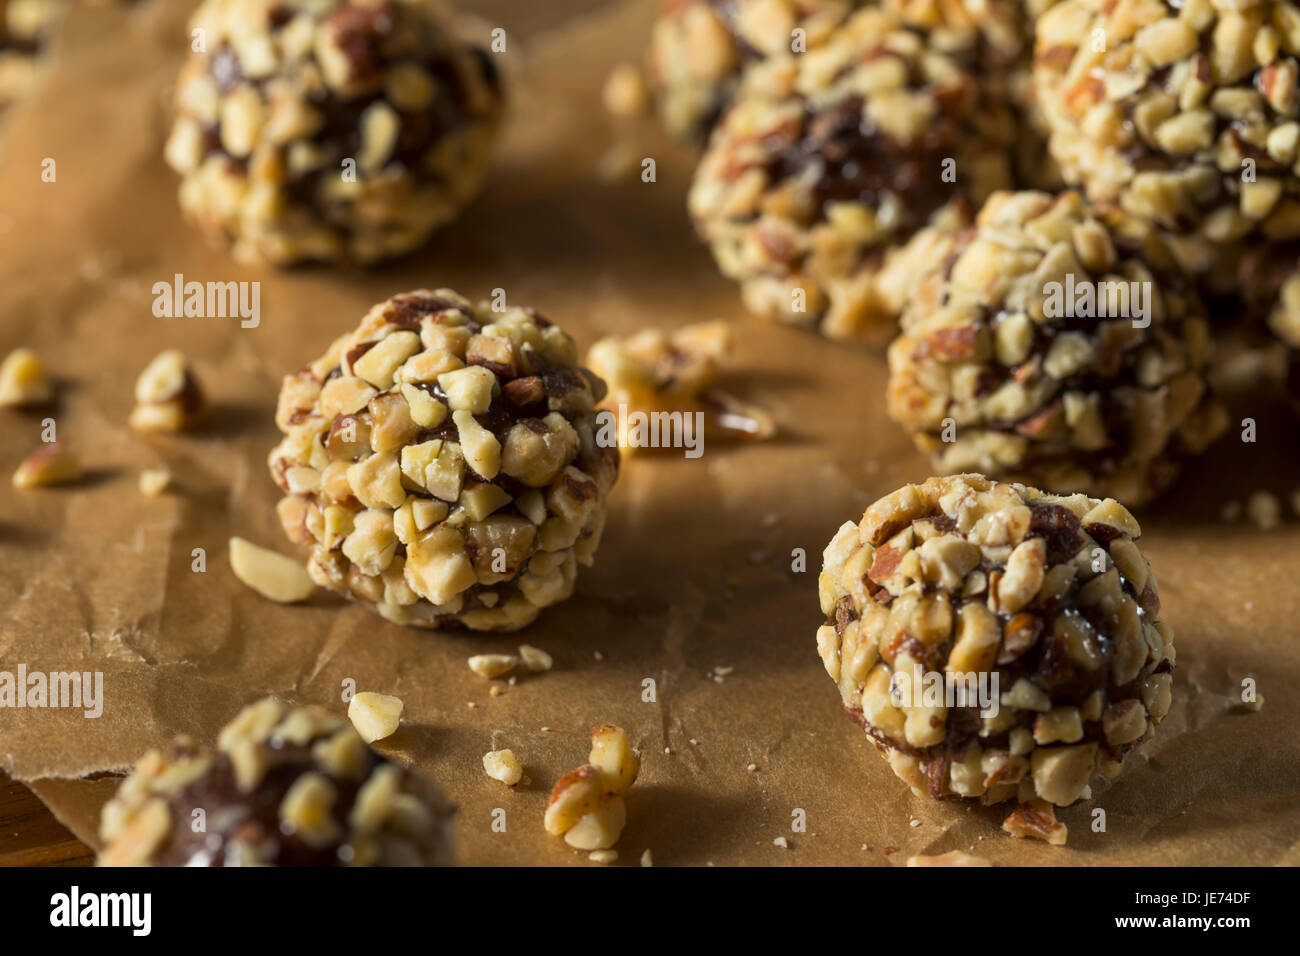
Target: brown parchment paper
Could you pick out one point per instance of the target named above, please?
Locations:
(695, 572)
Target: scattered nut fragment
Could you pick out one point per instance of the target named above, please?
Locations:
(493, 665)
(50, 464)
(599, 829)
(154, 481)
(1254, 706)
(375, 716)
(167, 395)
(613, 755)
(1036, 820)
(535, 659)
(625, 93)
(269, 573)
(657, 372)
(23, 380)
(586, 805)
(951, 858)
(647, 859)
(502, 765)
(782, 842)
(1264, 510)
(604, 857)
(618, 164)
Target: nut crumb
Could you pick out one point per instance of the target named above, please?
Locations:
(616, 164)
(535, 659)
(1036, 820)
(375, 716)
(50, 464)
(647, 859)
(493, 665)
(270, 573)
(782, 842)
(167, 395)
(154, 481)
(603, 857)
(586, 805)
(625, 93)
(1254, 706)
(1264, 510)
(23, 380)
(654, 371)
(951, 858)
(502, 765)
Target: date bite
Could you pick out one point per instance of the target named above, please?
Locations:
(1044, 600)
(1186, 116)
(324, 131)
(284, 787)
(442, 463)
(1057, 344)
(829, 159)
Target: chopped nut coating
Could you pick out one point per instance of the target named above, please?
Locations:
(1056, 344)
(283, 787)
(994, 641)
(442, 463)
(829, 158)
(320, 130)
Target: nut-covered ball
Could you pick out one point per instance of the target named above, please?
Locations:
(829, 158)
(444, 463)
(330, 130)
(284, 787)
(698, 49)
(1059, 345)
(995, 641)
(1186, 114)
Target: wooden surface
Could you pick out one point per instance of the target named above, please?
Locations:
(31, 836)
